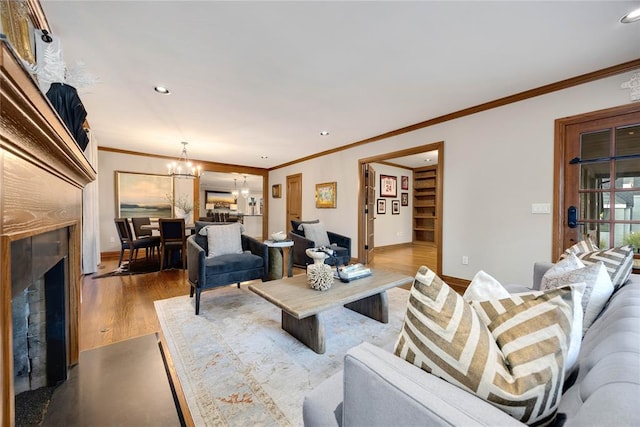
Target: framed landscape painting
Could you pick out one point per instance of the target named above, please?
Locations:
(143, 194)
(388, 186)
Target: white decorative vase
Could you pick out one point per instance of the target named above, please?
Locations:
(319, 274)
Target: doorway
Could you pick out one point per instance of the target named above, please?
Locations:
(365, 236)
(597, 175)
(294, 198)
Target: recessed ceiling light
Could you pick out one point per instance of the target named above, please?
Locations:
(324, 133)
(264, 157)
(630, 17)
(161, 89)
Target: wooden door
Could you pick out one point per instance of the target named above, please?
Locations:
(370, 213)
(294, 199)
(601, 175)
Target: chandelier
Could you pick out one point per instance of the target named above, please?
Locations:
(182, 167)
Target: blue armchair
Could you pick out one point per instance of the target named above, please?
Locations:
(340, 244)
(220, 270)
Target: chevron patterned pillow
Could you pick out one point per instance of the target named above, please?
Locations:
(618, 261)
(515, 363)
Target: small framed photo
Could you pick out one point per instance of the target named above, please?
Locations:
(326, 195)
(404, 199)
(395, 207)
(276, 191)
(388, 186)
(382, 207)
(404, 183)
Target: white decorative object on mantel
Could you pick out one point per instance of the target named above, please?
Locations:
(633, 84)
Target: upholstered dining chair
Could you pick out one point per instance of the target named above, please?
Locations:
(172, 237)
(128, 242)
(141, 233)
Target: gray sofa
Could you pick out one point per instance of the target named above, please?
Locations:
(376, 388)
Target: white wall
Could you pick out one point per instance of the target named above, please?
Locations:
(392, 229)
(496, 164)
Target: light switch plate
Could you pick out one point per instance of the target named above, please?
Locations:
(540, 208)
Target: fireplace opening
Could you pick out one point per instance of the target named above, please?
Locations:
(40, 290)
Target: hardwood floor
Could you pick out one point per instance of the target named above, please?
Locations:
(118, 308)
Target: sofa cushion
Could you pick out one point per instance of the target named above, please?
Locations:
(232, 262)
(597, 291)
(618, 261)
(224, 239)
(516, 363)
(483, 287)
(317, 233)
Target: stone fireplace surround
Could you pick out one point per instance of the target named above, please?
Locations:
(42, 174)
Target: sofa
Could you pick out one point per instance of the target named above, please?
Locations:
(378, 388)
(249, 262)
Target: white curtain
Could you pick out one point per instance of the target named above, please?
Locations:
(91, 214)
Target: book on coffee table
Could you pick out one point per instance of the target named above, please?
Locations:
(352, 272)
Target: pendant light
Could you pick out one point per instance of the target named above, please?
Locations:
(245, 188)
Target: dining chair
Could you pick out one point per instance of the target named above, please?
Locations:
(128, 242)
(141, 233)
(172, 237)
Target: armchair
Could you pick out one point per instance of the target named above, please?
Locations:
(230, 261)
(303, 241)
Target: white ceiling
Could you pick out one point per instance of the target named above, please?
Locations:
(252, 79)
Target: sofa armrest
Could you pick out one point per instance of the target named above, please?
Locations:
(340, 240)
(382, 389)
(258, 248)
(539, 268)
(195, 262)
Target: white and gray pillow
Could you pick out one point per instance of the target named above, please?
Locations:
(597, 291)
(316, 232)
(224, 239)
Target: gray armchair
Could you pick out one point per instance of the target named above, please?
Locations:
(221, 270)
(339, 243)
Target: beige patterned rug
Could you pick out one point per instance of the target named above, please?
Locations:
(238, 367)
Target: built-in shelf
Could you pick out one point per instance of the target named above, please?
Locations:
(424, 204)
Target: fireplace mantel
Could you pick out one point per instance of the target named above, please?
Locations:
(42, 174)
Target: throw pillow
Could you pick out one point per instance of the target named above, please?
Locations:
(597, 291)
(618, 261)
(317, 233)
(516, 364)
(224, 239)
(568, 263)
(582, 246)
(483, 288)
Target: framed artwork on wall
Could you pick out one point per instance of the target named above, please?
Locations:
(404, 199)
(143, 194)
(395, 207)
(388, 186)
(326, 195)
(219, 199)
(275, 191)
(404, 182)
(382, 207)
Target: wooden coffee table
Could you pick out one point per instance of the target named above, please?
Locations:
(302, 306)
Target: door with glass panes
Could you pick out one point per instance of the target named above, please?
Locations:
(602, 179)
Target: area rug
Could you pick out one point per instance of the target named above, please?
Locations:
(138, 266)
(236, 365)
